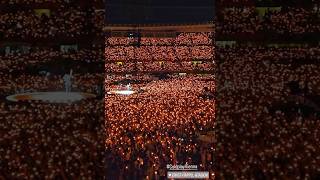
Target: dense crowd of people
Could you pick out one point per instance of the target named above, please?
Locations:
(167, 53)
(168, 122)
(16, 60)
(46, 140)
(294, 21)
(14, 2)
(51, 141)
(267, 115)
(19, 83)
(256, 139)
(187, 39)
(62, 22)
(75, 21)
(160, 126)
(185, 52)
(42, 140)
(159, 66)
(41, 2)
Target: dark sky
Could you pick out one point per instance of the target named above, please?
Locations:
(158, 11)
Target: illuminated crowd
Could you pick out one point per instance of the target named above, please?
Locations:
(49, 140)
(254, 140)
(186, 52)
(63, 21)
(160, 126)
(12, 2)
(284, 21)
(40, 139)
(166, 121)
(17, 60)
(74, 21)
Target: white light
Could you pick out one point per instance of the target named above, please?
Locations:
(124, 92)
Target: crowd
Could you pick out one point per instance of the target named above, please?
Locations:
(168, 121)
(18, 61)
(186, 52)
(14, 2)
(54, 2)
(255, 140)
(75, 21)
(49, 141)
(41, 140)
(98, 22)
(187, 39)
(294, 21)
(62, 22)
(160, 126)
(19, 83)
(167, 53)
(265, 129)
(167, 66)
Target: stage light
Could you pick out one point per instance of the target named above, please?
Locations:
(122, 92)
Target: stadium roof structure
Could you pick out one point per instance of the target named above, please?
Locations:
(145, 28)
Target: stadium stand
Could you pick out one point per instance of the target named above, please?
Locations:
(41, 40)
(267, 91)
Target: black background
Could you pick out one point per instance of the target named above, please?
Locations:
(156, 11)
